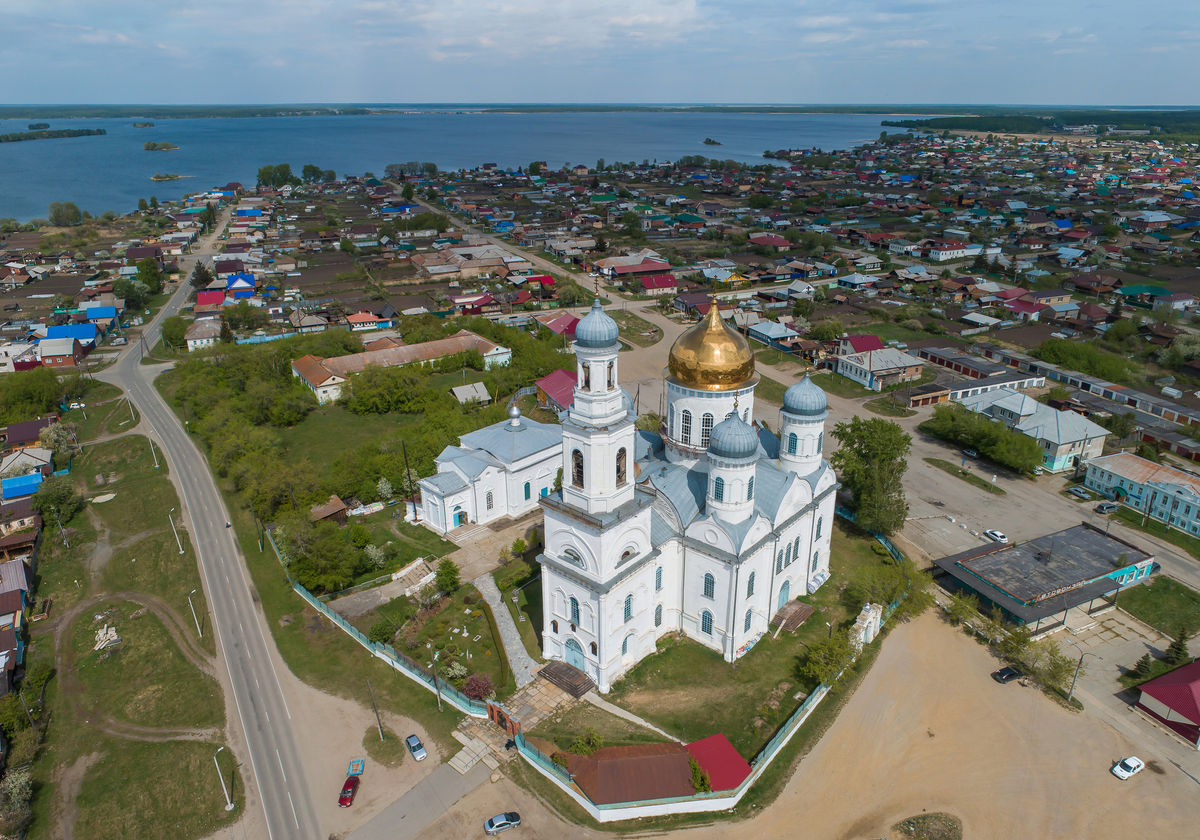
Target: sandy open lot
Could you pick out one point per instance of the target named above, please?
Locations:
(929, 730)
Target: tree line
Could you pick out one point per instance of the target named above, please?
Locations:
(991, 438)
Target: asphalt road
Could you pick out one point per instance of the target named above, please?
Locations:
(239, 624)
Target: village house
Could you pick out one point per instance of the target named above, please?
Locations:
(879, 369)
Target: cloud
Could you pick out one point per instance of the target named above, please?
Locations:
(909, 42)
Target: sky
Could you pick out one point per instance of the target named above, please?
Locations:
(1084, 52)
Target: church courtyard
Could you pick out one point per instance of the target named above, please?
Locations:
(688, 690)
(928, 730)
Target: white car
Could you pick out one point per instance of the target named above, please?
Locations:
(1127, 767)
(996, 536)
(77, 405)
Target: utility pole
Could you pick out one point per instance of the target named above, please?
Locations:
(153, 454)
(171, 519)
(199, 632)
(224, 790)
(412, 497)
(437, 685)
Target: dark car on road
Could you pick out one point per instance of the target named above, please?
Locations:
(502, 822)
(1106, 507)
(348, 791)
(1006, 674)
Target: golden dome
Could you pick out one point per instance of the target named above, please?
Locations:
(711, 356)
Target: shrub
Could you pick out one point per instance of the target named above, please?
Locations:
(588, 743)
(447, 576)
(1144, 666)
(700, 781)
(478, 687)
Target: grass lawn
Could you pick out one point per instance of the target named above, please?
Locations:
(565, 726)
(529, 408)
(158, 790)
(145, 680)
(62, 570)
(408, 541)
(1133, 519)
(527, 611)
(936, 826)
(770, 390)
(965, 475)
(1165, 604)
(840, 386)
(636, 329)
(311, 436)
(775, 356)
(112, 417)
(691, 692)
(390, 752)
(887, 407)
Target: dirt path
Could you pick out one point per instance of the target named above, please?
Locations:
(71, 691)
(103, 550)
(68, 785)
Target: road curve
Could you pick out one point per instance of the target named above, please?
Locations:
(239, 624)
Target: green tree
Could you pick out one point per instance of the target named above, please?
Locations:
(65, 214)
(60, 439)
(827, 658)
(310, 173)
(447, 576)
(760, 201)
(1177, 653)
(133, 292)
(149, 275)
(828, 330)
(201, 276)
(631, 224)
(226, 333)
(25, 394)
(963, 608)
(153, 202)
(871, 460)
(1144, 666)
(142, 205)
(407, 193)
(173, 331)
(209, 217)
(519, 547)
(56, 500)
(534, 168)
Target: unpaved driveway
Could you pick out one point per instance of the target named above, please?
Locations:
(929, 730)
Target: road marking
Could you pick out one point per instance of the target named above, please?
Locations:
(295, 819)
(279, 758)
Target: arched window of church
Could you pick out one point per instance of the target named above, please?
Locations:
(787, 556)
(575, 611)
(706, 424)
(749, 618)
(628, 607)
(820, 521)
(625, 646)
(779, 563)
(746, 415)
(489, 500)
(796, 548)
(820, 442)
(816, 560)
(719, 489)
(593, 648)
(710, 586)
(658, 616)
(577, 468)
(658, 579)
(587, 378)
(792, 441)
(612, 379)
(706, 623)
(750, 585)
(750, 489)
(621, 467)
(528, 491)
(685, 426)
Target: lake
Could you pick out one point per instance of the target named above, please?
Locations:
(111, 172)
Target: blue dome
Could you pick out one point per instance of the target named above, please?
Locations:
(596, 329)
(733, 438)
(805, 398)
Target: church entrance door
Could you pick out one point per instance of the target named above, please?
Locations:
(784, 593)
(460, 518)
(574, 654)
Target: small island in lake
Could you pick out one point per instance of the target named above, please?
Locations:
(53, 134)
(708, 141)
(143, 125)
(165, 176)
(38, 126)
(152, 146)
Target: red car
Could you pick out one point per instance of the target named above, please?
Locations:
(348, 791)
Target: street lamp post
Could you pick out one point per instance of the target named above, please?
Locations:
(199, 632)
(830, 626)
(224, 790)
(437, 686)
(153, 454)
(171, 519)
(1078, 665)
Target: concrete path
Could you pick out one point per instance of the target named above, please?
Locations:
(518, 658)
(600, 703)
(425, 803)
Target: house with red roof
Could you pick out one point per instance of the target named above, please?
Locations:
(360, 321)
(556, 390)
(1025, 310)
(859, 344)
(770, 240)
(659, 284)
(1174, 701)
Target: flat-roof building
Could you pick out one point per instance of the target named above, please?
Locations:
(1038, 582)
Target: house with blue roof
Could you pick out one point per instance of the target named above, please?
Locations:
(495, 472)
(20, 486)
(85, 334)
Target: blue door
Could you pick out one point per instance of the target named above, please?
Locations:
(545, 491)
(784, 592)
(460, 518)
(574, 654)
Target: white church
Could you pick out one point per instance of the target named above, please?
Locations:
(708, 528)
